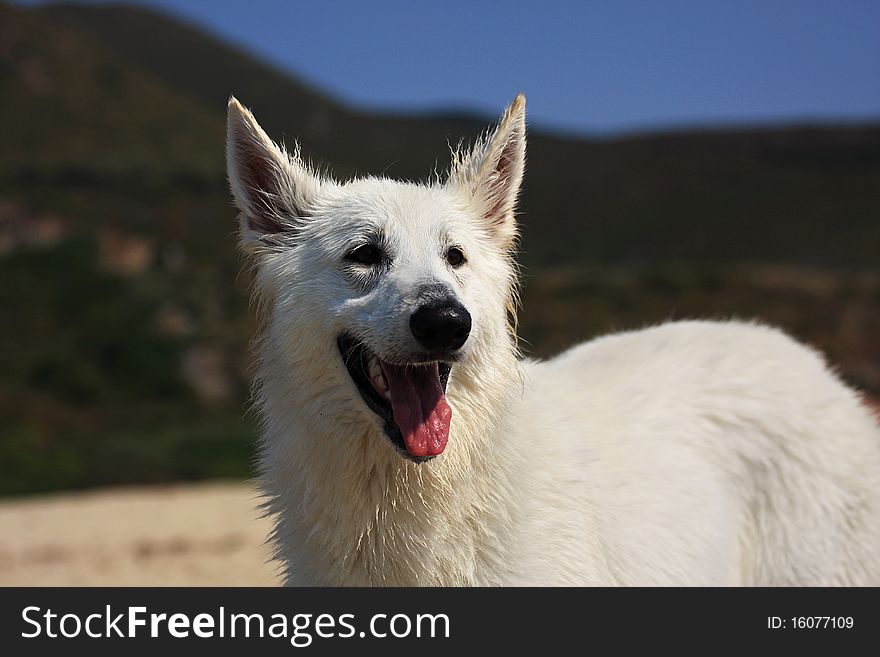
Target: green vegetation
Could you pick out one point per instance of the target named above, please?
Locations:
(123, 305)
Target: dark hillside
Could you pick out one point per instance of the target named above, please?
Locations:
(123, 315)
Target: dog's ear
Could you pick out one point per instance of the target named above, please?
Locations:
(272, 188)
(492, 171)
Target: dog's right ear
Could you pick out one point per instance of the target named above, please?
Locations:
(273, 189)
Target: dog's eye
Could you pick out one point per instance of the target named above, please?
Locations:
(368, 255)
(455, 257)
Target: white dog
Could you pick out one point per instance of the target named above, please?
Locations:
(404, 442)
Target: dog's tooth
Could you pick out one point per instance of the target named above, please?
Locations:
(377, 376)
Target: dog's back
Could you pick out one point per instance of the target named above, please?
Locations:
(702, 453)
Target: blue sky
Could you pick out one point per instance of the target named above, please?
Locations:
(590, 67)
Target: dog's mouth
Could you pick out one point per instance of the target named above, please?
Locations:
(410, 398)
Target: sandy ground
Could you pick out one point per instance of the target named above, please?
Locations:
(182, 535)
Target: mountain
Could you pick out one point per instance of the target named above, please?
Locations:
(126, 90)
(123, 308)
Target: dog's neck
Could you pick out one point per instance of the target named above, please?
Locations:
(351, 510)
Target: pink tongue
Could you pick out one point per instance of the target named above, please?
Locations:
(420, 407)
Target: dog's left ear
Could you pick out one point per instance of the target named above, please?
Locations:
(491, 173)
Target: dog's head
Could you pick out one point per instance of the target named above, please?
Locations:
(403, 281)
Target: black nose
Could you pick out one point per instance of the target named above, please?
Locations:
(441, 325)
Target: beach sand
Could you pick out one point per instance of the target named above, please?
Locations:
(181, 535)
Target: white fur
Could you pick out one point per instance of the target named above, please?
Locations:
(690, 453)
